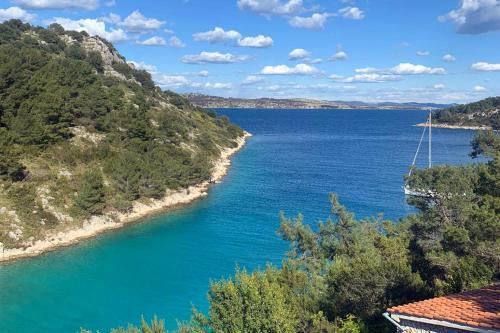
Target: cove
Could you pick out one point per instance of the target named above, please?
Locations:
(163, 265)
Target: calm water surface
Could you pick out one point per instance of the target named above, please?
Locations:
(164, 266)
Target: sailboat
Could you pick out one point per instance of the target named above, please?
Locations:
(409, 191)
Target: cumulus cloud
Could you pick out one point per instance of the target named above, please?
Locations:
(92, 27)
(252, 79)
(15, 13)
(213, 58)
(172, 81)
(272, 7)
(315, 21)
(486, 67)
(176, 42)
(111, 18)
(203, 73)
(298, 54)
(218, 35)
(412, 69)
(365, 78)
(142, 65)
(423, 53)
(299, 69)
(352, 13)
(153, 41)
(449, 58)
(59, 4)
(475, 16)
(479, 89)
(438, 86)
(339, 56)
(136, 22)
(259, 41)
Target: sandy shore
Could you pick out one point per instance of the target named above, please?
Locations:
(114, 220)
(483, 128)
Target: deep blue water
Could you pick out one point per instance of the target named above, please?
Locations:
(163, 266)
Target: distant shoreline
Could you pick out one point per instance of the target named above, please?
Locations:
(99, 224)
(476, 128)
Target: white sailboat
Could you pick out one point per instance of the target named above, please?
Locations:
(420, 192)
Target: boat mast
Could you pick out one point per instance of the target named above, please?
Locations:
(430, 138)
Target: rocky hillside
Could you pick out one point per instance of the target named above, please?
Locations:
(484, 113)
(83, 133)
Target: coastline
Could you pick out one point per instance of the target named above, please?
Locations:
(114, 220)
(477, 128)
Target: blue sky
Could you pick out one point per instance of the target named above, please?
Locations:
(383, 50)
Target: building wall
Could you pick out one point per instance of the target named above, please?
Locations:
(417, 327)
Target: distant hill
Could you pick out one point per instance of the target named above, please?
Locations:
(207, 101)
(83, 133)
(484, 113)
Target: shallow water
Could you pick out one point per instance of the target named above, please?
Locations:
(163, 265)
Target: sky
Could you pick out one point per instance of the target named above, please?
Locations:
(442, 51)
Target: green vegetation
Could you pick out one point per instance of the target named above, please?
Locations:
(483, 113)
(341, 275)
(83, 132)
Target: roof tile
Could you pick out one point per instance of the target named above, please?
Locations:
(475, 308)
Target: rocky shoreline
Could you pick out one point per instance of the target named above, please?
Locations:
(102, 223)
(477, 128)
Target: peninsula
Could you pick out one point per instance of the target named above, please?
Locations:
(88, 143)
(207, 101)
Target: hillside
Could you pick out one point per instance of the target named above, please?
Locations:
(206, 101)
(84, 134)
(484, 113)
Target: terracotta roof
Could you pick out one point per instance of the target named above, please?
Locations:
(478, 308)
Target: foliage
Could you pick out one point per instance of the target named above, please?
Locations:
(481, 113)
(68, 125)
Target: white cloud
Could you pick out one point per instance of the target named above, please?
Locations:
(315, 21)
(252, 79)
(259, 41)
(15, 13)
(479, 89)
(136, 22)
(438, 86)
(172, 81)
(217, 85)
(213, 58)
(412, 69)
(449, 58)
(203, 73)
(142, 65)
(269, 7)
(314, 61)
(367, 70)
(352, 13)
(168, 31)
(153, 41)
(423, 53)
(475, 16)
(111, 18)
(59, 4)
(218, 35)
(176, 42)
(486, 67)
(339, 56)
(298, 54)
(92, 27)
(299, 69)
(366, 78)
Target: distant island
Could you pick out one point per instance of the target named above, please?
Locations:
(89, 143)
(206, 101)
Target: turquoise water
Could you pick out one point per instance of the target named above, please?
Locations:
(164, 265)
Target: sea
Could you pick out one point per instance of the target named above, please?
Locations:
(164, 265)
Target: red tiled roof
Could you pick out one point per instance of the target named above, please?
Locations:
(477, 308)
